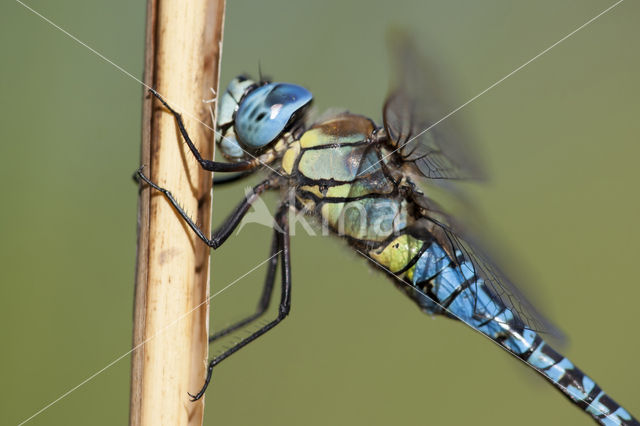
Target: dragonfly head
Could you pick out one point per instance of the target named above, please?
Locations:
(253, 116)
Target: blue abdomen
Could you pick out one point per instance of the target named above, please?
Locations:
(451, 287)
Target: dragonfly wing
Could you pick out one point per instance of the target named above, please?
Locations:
(420, 122)
(462, 247)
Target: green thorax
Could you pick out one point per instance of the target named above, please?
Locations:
(339, 173)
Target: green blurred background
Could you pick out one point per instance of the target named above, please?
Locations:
(560, 139)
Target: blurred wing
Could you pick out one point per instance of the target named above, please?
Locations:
(420, 123)
(452, 238)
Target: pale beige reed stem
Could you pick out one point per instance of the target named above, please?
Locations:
(183, 47)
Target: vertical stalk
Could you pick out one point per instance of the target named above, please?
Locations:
(183, 48)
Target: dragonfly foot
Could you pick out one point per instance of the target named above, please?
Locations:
(195, 397)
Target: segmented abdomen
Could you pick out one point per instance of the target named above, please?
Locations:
(442, 285)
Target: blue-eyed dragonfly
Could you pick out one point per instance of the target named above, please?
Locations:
(361, 181)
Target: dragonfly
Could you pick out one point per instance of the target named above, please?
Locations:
(362, 181)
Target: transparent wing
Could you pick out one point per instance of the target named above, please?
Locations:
(451, 236)
(420, 122)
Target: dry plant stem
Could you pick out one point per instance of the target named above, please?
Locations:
(182, 61)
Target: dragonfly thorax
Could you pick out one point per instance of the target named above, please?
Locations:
(253, 116)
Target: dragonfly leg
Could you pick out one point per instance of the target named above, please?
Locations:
(263, 303)
(285, 299)
(212, 166)
(221, 234)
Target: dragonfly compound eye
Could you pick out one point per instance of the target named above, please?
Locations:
(266, 111)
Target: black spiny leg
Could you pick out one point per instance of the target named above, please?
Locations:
(220, 235)
(285, 299)
(212, 166)
(263, 304)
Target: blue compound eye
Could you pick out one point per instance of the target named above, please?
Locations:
(265, 112)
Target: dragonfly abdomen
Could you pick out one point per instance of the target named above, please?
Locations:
(576, 385)
(443, 285)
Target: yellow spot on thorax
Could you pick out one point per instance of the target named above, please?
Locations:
(289, 157)
(341, 191)
(315, 189)
(312, 138)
